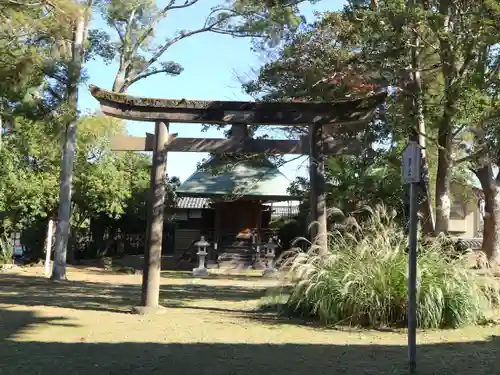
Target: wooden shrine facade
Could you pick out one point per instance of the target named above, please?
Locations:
(333, 129)
(196, 216)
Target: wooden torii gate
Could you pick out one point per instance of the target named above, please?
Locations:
(343, 119)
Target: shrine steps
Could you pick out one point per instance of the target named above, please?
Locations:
(236, 257)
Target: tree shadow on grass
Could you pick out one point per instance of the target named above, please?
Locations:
(273, 309)
(274, 318)
(82, 358)
(14, 323)
(36, 291)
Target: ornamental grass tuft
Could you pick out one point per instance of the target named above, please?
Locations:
(364, 279)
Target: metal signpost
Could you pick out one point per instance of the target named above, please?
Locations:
(411, 175)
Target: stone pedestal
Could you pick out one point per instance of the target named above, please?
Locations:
(201, 271)
(258, 264)
(270, 270)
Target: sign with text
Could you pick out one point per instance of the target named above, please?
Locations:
(411, 163)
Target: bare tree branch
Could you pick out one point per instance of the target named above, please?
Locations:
(149, 74)
(228, 32)
(216, 21)
(27, 4)
(152, 25)
(472, 157)
(119, 32)
(54, 93)
(172, 6)
(456, 132)
(210, 25)
(61, 79)
(164, 48)
(128, 27)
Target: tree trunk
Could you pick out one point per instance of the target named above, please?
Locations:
(119, 83)
(68, 156)
(445, 133)
(425, 205)
(443, 199)
(154, 233)
(491, 229)
(48, 246)
(318, 194)
(64, 211)
(443, 174)
(1, 129)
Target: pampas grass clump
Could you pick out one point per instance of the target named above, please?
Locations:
(364, 279)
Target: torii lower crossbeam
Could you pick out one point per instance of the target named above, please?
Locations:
(232, 145)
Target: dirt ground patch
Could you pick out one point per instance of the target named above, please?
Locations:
(211, 327)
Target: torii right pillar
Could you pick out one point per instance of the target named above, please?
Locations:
(319, 233)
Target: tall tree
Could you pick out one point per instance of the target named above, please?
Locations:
(79, 24)
(26, 35)
(479, 132)
(426, 51)
(137, 21)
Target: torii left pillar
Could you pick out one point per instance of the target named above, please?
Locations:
(151, 278)
(319, 231)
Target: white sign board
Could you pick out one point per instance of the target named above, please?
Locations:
(411, 162)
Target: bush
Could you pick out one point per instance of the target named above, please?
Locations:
(364, 280)
(288, 231)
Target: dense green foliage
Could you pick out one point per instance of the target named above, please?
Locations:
(355, 51)
(317, 63)
(441, 63)
(354, 182)
(41, 64)
(364, 281)
(105, 183)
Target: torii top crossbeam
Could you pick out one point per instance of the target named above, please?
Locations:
(344, 112)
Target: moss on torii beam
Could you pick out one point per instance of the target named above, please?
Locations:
(345, 112)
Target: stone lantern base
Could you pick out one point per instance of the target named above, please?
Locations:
(258, 264)
(268, 272)
(200, 272)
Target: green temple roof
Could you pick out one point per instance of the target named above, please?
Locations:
(248, 179)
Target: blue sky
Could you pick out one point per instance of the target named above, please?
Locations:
(212, 64)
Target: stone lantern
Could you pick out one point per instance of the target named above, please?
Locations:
(270, 254)
(202, 253)
(258, 263)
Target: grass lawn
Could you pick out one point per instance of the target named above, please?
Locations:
(211, 327)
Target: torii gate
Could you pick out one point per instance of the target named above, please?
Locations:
(341, 118)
